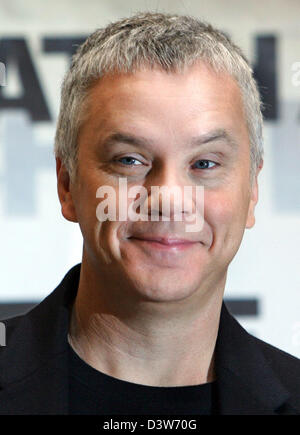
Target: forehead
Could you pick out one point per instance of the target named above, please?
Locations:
(154, 101)
(199, 80)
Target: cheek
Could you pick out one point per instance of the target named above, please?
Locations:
(86, 207)
(109, 232)
(93, 230)
(226, 213)
(218, 208)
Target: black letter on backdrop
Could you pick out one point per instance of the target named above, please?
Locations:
(32, 99)
(266, 74)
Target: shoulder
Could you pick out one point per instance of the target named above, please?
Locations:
(39, 334)
(285, 365)
(12, 327)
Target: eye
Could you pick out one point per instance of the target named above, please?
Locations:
(204, 164)
(127, 161)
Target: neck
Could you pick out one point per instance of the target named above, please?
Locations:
(150, 343)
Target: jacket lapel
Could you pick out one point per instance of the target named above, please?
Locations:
(246, 382)
(34, 363)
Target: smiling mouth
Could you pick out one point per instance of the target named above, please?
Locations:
(165, 243)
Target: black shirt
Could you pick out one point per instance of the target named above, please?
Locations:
(95, 393)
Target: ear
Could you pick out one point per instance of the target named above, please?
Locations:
(64, 192)
(254, 198)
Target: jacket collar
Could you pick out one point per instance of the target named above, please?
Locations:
(246, 382)
(35, 360)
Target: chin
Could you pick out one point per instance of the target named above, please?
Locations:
(165, 286)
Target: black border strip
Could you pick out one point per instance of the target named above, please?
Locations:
(237, 307)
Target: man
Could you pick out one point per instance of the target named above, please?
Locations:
(140, 327)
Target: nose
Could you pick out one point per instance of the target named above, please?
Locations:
(170, 196)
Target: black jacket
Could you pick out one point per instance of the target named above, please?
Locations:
(253, 376)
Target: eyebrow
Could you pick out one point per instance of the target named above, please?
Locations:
(129, 139)
(140, 141)
(215, 135)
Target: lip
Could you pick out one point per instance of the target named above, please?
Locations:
(165, 243)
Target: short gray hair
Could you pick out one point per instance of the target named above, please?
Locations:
(172, 42)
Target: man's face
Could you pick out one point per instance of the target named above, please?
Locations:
(163, 129)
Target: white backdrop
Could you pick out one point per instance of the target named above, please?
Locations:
(39, 246)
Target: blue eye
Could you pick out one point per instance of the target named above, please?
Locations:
(128, 161)
(204, 164)
(200, 164)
